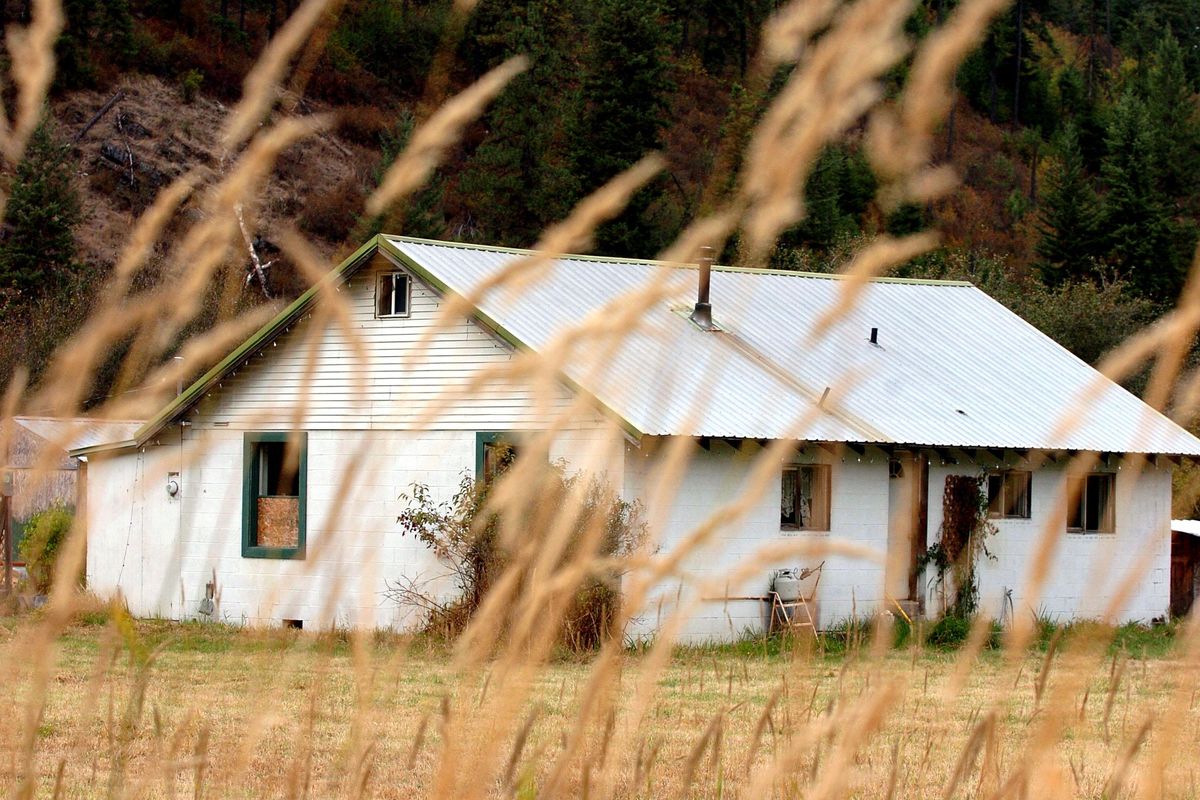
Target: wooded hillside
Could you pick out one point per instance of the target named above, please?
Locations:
(1076, 136)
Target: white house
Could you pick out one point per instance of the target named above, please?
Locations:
(916, 381)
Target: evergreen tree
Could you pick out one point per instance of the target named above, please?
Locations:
(624, 92)
(1069, 216)
(37, 254)
(421, 213)
(514, 181)
(835, 196)
(93, 28)
(1170, 105)
(1075, 105)
(1140, 238)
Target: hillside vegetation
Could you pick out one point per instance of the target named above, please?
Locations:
(1076, 135)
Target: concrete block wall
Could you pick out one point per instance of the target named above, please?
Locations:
(1086, 569)
(706, 589)
(160, 551)
(133, 546)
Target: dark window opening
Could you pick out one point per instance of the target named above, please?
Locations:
(1009, 494)
(495, 452)
(1091, 503)
(804, 498)
(296, 624)
(498, 455)
(392, 295)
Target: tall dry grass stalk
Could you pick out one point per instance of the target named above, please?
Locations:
(493, 717)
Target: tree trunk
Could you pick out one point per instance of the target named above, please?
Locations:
(1020, 48)
(950, 130)
(992, 84)
(941, 13)
(1091, 45)
(1034, 161)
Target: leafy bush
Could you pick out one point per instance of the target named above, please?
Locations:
(44, 537)
(949, 632)
(189, 85)
(464, 533)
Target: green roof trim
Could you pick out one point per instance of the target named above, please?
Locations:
(493, 326)
(288, 315)
(264, 335)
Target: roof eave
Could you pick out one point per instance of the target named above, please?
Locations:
(84, 452)
(284, 319)
(264, 335)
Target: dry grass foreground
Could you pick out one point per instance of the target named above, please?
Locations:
(113, 712)
(157, 709)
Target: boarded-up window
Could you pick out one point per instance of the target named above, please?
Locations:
(391, 295)
(1009, 494)
(804, 498)
(1091, 503)
(275, 476)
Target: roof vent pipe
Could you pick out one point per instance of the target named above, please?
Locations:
(702, 313)
(875, 336)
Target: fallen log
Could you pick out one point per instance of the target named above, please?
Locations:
(104, 109)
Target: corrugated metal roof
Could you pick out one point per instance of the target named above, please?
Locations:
(75, 433)
(952, 368)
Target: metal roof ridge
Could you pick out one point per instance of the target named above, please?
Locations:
(786, 273)
(80, 418)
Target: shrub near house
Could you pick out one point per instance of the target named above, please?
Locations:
(44, 537)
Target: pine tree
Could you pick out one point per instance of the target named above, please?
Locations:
(1068, 217)
(1170, 105)
(37, 254)
(1140, 238)
(836, 195)
(421, 213)
(514, 180)
(94, 29)
(624, 92)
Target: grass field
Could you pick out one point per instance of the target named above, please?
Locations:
(153, 709)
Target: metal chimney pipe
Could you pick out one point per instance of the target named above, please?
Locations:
(702, 313)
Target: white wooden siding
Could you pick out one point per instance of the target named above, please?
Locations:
(401, 386)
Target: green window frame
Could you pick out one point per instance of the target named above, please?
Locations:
(253, 454)
(486, 439)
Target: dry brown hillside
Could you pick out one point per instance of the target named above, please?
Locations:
(150, 136)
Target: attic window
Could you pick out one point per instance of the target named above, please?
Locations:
(392, 295)
(1008, 494)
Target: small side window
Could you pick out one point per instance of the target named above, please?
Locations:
(804, 498)
(1008, 494)
(1091, 503)
(392, 295)
(494, 453)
